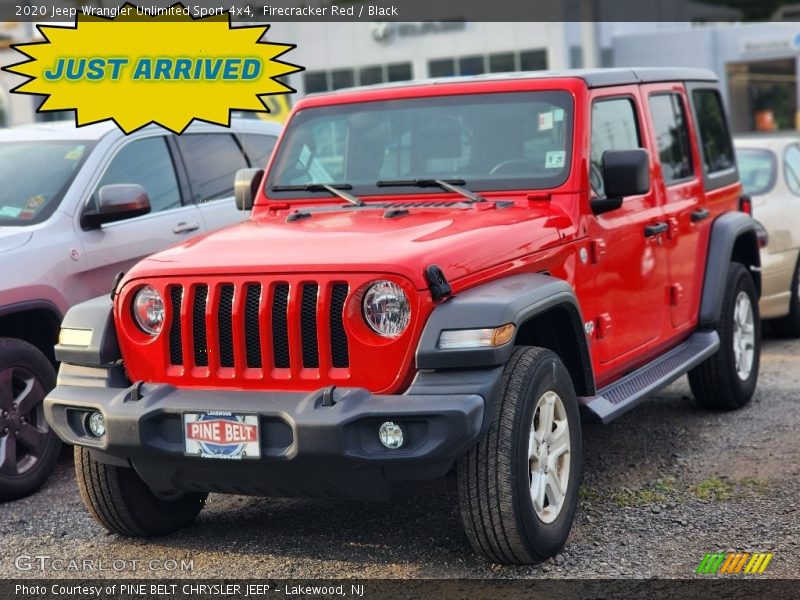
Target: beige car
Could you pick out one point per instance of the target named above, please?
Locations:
(769, 167)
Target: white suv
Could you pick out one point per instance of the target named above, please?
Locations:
(77, 206)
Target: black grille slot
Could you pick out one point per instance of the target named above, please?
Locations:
(339, 354)
(175, 337)
(280, 332)
(252, 332)
(308, 325)
(225, 321)
(199, 324)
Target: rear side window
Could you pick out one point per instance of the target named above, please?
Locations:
(672, 137)
(148, 163)
(258, 147)
(791, 168)
(212, 160)
(715, 140)
(614, 127)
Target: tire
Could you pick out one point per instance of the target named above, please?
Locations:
(718, 383)
(495, 477)
(789, 326)
(121, 502)
(29, 449)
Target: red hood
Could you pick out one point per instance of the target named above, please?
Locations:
(461, 241)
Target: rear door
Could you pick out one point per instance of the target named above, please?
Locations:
(211, 161)
(680, 191)
(114, 247)
(627, 244)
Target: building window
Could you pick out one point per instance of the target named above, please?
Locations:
(442, 68)
(325, 81)
(503, 62)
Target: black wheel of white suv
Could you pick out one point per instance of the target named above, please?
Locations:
(727, 380)
(121, 502)
(518, 488)
(29, 449)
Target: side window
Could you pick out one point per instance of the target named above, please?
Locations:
(672, 137)
(147, 162)
(715, 140)
(258, 147)
(212, 160)
(614, 127)
(791, 168)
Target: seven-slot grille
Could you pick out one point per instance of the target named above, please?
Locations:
(253, 325)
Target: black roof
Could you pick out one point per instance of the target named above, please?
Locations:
(594, 78)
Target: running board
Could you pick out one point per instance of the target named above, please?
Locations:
(621, 396)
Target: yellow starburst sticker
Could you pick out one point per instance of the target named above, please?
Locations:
(166, 70)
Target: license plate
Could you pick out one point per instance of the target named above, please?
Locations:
(221, 434)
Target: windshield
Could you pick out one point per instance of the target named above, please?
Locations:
(500, 141)
(757, 170)
(34, 176)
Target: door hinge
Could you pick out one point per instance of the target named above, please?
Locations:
(598, 250)
(603, 326)
(675, 294)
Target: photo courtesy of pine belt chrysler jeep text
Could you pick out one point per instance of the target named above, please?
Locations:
(438, 275)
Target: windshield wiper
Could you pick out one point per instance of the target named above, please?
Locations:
(451, 185)
(332, 188)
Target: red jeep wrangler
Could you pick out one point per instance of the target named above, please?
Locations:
(436, 275)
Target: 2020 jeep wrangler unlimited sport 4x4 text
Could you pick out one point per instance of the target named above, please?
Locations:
(436, 275)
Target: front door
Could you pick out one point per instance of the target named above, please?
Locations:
(627, 244)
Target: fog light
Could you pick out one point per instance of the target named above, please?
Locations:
(97, 424)
(391, 435)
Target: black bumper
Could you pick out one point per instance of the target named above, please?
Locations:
(310, 447)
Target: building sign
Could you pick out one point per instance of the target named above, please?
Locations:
(770, 45)
(384, 32)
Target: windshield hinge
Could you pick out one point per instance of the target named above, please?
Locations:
(437, 283)
(117, 278)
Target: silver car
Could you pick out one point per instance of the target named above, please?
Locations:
(78, 206)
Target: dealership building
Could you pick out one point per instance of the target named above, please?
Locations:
(757, 63)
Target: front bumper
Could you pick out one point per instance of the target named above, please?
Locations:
(309, 447)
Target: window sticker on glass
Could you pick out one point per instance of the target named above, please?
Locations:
(10, 211)
(35, 202)
(558, 115)
(554, 159)
(545, 121)
(305, 154)
(75, 153)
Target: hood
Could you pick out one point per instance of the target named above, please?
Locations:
(13, 237)
(459, 239)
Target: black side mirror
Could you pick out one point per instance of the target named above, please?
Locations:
(625, 173)
(245, 187)
(117, 202)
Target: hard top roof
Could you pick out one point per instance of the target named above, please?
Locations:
(593, 78)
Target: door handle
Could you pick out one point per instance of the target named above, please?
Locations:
(700, 214)
(184, 227)
(656, 229)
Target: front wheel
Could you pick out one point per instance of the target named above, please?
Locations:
(518, 488)
(727, 380)
(121, 502)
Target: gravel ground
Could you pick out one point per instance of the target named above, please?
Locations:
(663, 485)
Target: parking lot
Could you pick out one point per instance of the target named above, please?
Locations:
(663, 485)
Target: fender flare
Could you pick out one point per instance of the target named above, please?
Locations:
(95, 315)
(514, 299)
(725, 231)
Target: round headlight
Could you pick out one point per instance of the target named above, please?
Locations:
(148, 310)
(386, 308)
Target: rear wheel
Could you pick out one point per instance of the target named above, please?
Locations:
(29, 449)
(789, 326)
(727, 380)
(518, 488)
(121, 502)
